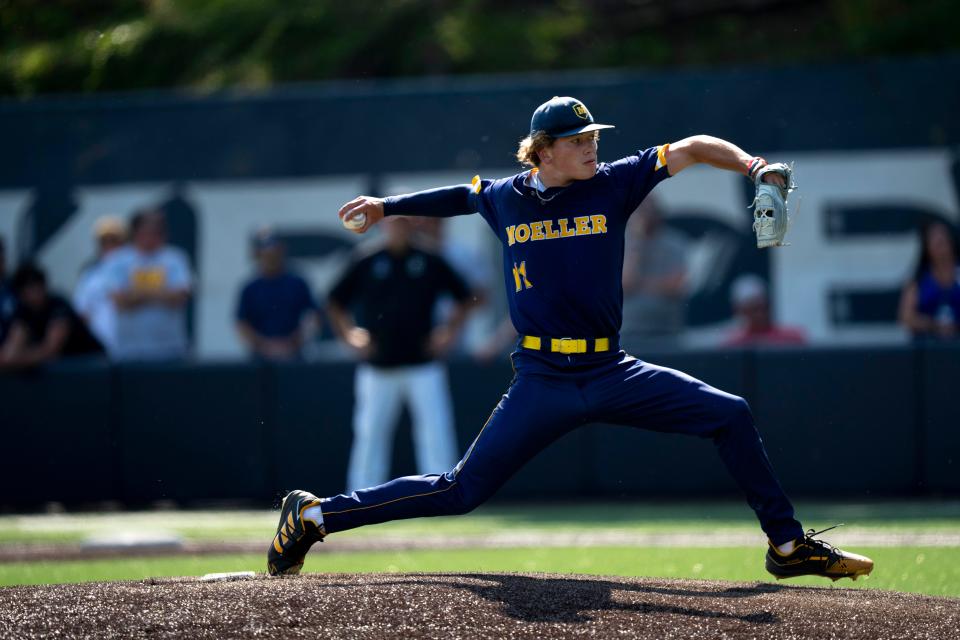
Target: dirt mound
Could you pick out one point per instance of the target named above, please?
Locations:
(468, 606)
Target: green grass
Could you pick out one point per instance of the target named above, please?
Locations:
(929, 570)
(636, 517)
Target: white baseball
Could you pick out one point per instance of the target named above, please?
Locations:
(355, 221)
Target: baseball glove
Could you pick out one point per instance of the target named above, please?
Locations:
(770, 216)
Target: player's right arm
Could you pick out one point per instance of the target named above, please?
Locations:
(435, 203)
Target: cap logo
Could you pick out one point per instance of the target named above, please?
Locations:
(581, 111)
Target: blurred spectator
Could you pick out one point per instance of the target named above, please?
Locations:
(7, 300)
(751, 306)
(276, 311)
(498, 343)
(392, 293)
(654, 280)
(44, 326)
(92, 296)
(150, 283)
(930, 301)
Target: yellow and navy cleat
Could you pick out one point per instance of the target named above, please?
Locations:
(295, 534)
(812, 557)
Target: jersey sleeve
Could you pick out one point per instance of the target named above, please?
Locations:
(476, 197)
(482, 199)
(638, 174)
(442, 202)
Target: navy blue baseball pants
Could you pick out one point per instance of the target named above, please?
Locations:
(550, 396)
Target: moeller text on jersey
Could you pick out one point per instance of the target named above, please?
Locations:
(552, 229)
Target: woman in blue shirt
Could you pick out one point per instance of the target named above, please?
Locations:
(930, 302)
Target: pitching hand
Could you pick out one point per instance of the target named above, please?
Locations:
(367, 205)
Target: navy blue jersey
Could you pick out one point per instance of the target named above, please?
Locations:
(563, 248)
(563, 261)
(274, 306)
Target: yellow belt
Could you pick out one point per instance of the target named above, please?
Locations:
(566, 345)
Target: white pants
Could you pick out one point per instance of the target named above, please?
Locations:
(380, 393)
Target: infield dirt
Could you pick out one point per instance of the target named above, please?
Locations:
(468, 606)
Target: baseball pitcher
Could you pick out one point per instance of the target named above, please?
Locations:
(562, 224)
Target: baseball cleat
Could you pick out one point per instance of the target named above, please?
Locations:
(295, 534)
(812, 557)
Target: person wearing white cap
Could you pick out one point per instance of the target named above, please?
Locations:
(748, 297)
(91, 298)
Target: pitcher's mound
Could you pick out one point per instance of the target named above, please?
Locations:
(468, 606)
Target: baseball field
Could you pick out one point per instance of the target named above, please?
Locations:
(559, 570)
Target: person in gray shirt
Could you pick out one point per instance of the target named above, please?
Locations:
(150, 283)
(654, 280)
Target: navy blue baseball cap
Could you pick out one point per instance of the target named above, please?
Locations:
(563, 116)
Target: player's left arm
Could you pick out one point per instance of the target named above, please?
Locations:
(716, 152)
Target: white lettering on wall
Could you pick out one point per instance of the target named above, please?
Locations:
(804, 272)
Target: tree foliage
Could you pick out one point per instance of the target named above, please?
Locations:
(106, 45)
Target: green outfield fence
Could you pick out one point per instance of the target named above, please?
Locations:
(854, 422)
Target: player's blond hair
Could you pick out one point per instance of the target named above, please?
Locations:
(528, 151)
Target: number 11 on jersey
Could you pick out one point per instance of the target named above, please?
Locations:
(520, 276)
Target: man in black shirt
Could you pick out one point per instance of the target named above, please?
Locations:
(45, 327)
(383, 308)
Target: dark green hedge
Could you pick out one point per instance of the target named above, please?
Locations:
(103, 45)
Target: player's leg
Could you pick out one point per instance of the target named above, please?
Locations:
(434, 439)
(533, 413)
(640, 394)
(378, 395)
(644, 395)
